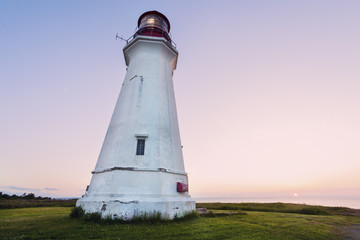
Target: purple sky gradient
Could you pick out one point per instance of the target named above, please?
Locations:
(268, 93)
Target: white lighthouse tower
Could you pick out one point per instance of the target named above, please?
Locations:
(141, 168)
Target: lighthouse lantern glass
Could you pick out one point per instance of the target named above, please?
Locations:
(154, 21)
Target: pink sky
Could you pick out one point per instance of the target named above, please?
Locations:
(268, 93)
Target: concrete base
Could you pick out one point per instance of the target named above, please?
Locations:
(129, 207)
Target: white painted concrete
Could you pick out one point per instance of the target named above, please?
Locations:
(125, 184)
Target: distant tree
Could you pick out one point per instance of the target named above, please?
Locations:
(29, 196)
(23, 196)
(4, 196)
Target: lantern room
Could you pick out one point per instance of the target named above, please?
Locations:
(155, 24)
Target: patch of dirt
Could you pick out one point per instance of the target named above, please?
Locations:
(209, 213)
(350, 212)
(351, 232)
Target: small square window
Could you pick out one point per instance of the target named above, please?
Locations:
(140, 148)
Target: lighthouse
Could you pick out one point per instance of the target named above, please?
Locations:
(140, 169)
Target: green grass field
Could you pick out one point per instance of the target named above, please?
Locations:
(55, 223)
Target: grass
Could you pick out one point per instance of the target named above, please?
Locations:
(55, 223)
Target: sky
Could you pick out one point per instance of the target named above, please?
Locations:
(267, 93)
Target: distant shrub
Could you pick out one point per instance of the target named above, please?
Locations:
(313, 211)
(222, 213)
(239, 212)
(93, 217)
(77, 212)
(228, 207)
(187, 216)
(209, 214)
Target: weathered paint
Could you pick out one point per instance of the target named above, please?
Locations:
(124, 184)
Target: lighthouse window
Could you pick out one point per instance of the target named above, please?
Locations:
(140, 149)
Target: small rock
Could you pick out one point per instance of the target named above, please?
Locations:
(202, 210)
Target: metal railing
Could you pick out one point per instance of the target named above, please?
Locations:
(149, 32)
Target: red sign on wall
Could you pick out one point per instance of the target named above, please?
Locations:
(182, 187)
